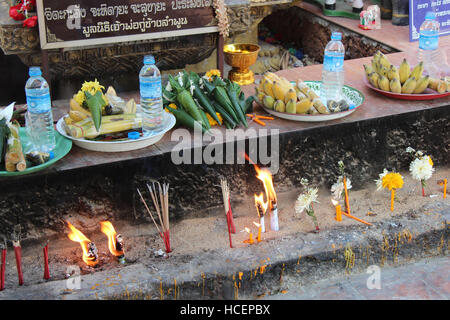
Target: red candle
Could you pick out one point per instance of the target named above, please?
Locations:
(18, 253)
(2, 271)
(46, 268)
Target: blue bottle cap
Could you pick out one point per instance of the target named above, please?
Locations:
(351, 107)
(336, 36)
(133, 135)
(51, 154)
(34, 71)
(149, 59)
(430, 15)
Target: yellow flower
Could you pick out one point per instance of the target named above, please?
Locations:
(173, 106)
(429, 160)
(211, 120)
(392, 180)
(211, 73)
(80, 97)
(92, 87)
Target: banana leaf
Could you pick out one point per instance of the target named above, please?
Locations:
(184, 97)
(233, 91)
(201, 97)
(4, 133)
(95, 104)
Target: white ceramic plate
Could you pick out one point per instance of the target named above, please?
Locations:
(120, 146)
(352, 95)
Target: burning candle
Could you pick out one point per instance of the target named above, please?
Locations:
(90, 252)
(250, 239)
(266, 177)
(259, 231)
(338, 210)
(261, 208)
(115, 240)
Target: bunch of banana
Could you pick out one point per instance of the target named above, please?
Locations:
(385, 76)
(278, 93)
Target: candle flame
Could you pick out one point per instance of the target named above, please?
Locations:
(266, 177)
(259, 200)
(335, 203)
(108, 229)
(257, 224)
(78, 236)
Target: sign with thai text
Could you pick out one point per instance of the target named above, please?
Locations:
(417, 11)
(76, 23)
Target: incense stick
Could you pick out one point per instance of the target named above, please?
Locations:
(162, 210)
(355, 218)
(18, 252)
(226, 204)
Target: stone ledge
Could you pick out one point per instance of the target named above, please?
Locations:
(247, 272)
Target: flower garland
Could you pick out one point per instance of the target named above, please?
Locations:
(21, 11)
(421, 167)
(222, 17)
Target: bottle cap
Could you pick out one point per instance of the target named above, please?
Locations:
(51, 155)
(133, 135)
(34, 71)
(149, 59)
(430, 15)
(336, 36)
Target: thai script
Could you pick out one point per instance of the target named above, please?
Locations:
(148, 8)
(144, 26)
(190, 4)
(106, 10)
(73, 11)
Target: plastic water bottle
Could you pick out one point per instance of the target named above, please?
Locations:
(428, 44)
(39, 118)
(333, 69)
(151, 96)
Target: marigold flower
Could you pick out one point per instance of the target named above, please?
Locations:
(392, 180)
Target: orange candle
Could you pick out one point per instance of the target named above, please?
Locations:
(347, 202)
(392, 199)
(445, 188)
(258, 238)
(338, 210)
(250, 240)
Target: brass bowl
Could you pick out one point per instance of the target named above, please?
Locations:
(240, 56)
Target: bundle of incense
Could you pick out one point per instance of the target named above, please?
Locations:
(18, 253)
(227, 203)
(3, 266)
(14, 158)
(162, 210)
(46, 268)
(227, 207)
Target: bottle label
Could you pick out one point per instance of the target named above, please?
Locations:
(428, 41)
(39, 104)
(150, 88)
(333, 62)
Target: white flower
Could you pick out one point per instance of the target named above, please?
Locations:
(169, 87)
(410, 150)
(380, 180)
(337, 189)
(305, 200)
(180, 81)
(421, 169)
(191, 87)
